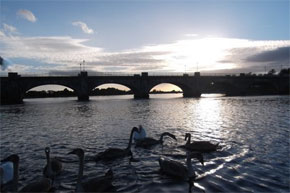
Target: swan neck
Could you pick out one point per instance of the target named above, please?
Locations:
(130, 140)
(81, 169)
(161, 137)
(48, 161)
(15, 174)
(188, 139)
(189, 166)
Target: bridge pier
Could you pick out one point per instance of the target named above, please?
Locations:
(142, 91)
(83, 91)
(193, 88)
(191, 93)
(142, 95)
(11, 92)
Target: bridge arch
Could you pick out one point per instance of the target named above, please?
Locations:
(166, 87)
(35, 85)
(188, 89)
(49, 90)
(111, 89)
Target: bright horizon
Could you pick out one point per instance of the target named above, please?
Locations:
(54, 37)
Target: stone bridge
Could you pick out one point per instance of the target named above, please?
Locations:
(14, 87)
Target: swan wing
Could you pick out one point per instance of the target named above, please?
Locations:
(99, 184)
(146, 142)
(111, 153)
(173, 168)
(43, 185)
(7, 168)
(56, 166)
(204, 146)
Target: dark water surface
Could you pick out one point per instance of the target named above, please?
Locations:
(252, 131)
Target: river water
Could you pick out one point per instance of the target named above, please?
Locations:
(253, 133)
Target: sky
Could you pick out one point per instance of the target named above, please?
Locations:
(127, 37)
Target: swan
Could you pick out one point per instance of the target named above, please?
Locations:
(140, 135)
(177, 169)
(114, 153)
(201, 146)
(99, 184)
(42, 185)
(9, 180)
(53, 166)
(148, 142)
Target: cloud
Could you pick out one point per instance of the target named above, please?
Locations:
(278, 55)
(191, 35)
(83, 26)
(64, 53)
(2, 34)
(26, 14)
(257, 55)
(9, 29)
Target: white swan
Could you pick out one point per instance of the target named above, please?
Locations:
(42, 185)
(9, 181)
(140, 135)
(6, 169)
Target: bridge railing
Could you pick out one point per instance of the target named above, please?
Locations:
(64, 74)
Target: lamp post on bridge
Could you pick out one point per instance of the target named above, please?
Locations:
(82, 63)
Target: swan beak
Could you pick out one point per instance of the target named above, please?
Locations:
(201, 161)
(4, 160)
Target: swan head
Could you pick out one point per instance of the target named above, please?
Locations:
(187, 135)
(172, 136)
(135, 129)
(78, 151)
(140, 128)
(197, 156)
(12, 158)
(47, 150)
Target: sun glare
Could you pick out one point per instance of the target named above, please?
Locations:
(199, 55)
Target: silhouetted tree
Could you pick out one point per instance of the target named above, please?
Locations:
(272, 72)
(284, 72)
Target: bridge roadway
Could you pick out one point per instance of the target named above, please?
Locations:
(14, 87)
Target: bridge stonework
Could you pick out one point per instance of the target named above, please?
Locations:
(14, 87)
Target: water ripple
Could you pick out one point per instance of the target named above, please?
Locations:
(252, 132)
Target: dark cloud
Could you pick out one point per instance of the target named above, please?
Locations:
(3, 63)
(279, 55)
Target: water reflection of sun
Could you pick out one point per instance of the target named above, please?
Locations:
(205, 119)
